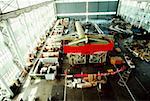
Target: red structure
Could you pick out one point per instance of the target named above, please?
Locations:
(89, 48)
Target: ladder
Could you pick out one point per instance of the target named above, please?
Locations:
(125, 77)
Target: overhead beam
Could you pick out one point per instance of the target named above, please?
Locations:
(84, 14)
(15, 13)
(72, 1)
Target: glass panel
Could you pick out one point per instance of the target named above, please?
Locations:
(20, 35)
(10, 5)
(7, 67)
(28, 28)
(71, 7)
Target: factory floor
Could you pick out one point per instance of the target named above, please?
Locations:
(44, 89)
(111, 91)
(38, 88)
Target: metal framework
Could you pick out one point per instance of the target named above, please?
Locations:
(126, 86)
(14, 43)
(16, 13)
(83, 14)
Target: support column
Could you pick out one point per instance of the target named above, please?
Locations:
(118, 7)
(55, 11)
(16, 46)
(8, 43)
(87, 11)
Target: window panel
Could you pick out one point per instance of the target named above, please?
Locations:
(9, 6)
(103, 6)
(71, 7)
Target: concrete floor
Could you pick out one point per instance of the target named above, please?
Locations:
(44, 89)
(111, 91)
(38, 88)
(91, 94)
